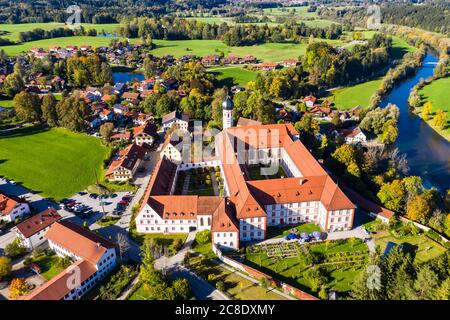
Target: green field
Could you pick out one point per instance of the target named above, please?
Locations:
(6, 103)
(357, 95)
(439, 94)
(229, 76)
(62, 42)
(267, 51)
(13, 30)
(57, 163)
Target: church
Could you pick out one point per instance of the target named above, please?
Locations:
(270, 179)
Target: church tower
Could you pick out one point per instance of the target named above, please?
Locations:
(227, 113)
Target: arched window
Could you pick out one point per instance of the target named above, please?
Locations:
(201, 221)
(209, 221)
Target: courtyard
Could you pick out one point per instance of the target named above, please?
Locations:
(199, 181)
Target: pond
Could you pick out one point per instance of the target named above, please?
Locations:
(124, 77)
(428, 153)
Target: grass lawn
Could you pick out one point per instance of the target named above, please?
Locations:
(162, 239)
(56, 162)
(279, 232)
(109, 221)
(13, 30)
(62, 42)
(256, 174)
(357, 95)
(230, 76)
(424, 248)
(236, 286)
(49, 265)
(204, 249)
(6, 103)
(439, 94)
(140, 294)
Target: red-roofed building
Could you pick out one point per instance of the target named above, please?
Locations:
(124, 166)
(31, 232)
(12, 208)
(94, 257)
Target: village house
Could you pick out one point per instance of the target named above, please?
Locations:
(131, 97)
(249, 59)
(172, 149)
(31, 232)
(266, 66)
(146, 133)
(310, 101)
(210, 60)
(126, 163)
(289, 62)
(120, 108)
(175, 117)
(106, 115)
(170, 84)
(121, 136)
(94, 258)
(12, 208)
(352, 136)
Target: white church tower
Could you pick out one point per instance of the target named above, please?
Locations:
(227, 113)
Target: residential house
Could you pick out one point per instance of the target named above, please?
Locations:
(146, 133)
(31, 232)
(175, 117)
(172, 149)
(12, 208)
(170, 84)
(124, 166)
(121, 136)
(131, 97)
(121, 108)
(266, 66)
(106, 115)
(352, 136)
(289, 62)
(310, 101)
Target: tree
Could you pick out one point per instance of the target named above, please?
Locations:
(13, 84)
(5, 267)
(389, 132)
(48, 107)
(426, 110)
(220, 285)
(203, 237)
(123, 243)
(14, 249)
(335, 120)
(150, 68)
(106, 73)
(440, 119)
(182, 289)
(18, 288)
(425, 283)
(27, 106)
(71, 113)
(443, 292)
(392, 195)
(418, 208)
(413, 185)
(345, 155)
(323, 294)
(106, 130)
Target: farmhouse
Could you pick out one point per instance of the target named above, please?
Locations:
(12, 208)
(267, 66)
(181, 119)
(94, 257)
(303, 193)
(146, 133)
(172, 149)
(310, 101)
(127, 162)
(31, 232)
(352, 136)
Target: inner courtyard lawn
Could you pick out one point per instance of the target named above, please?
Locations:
(279, 232)
(56, 163)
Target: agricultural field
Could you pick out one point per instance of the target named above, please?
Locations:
(56, 163)
(439, 94)
(229, 76)
(63, 42)
(13, 30)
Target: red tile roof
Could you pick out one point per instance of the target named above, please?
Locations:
(38, 222)
(8, 203)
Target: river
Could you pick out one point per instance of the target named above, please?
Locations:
(428, 153)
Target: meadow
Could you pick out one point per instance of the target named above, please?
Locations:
(62, 42)
(357, 95)
(439, 94)
(56, 163)
(230, 76)
(266, 52)
(13, 30)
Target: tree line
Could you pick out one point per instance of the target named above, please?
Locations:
(170, 28)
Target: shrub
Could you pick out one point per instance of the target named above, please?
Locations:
(177, 244)
(15, 250)
(203, 237)
(211, 277)
(220, 285)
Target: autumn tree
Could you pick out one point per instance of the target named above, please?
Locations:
(18, 288)
(106, 130)
(182, 289)
(440, 119)
(5, 267)
(419, 208)
(392, 195)
(13, 84)
(426, 110)
(28, 106)
(72, 113)
(346, 157)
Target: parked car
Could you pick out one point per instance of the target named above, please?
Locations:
(114, 195)
(12, 182)
(93, 196)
